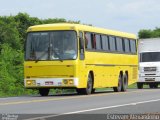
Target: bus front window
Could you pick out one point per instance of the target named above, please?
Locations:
(56, 45)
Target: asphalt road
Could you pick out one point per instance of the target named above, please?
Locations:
(101, 105)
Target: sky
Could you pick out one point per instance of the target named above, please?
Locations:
(123, 15)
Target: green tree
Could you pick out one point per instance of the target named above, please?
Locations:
(149, 33)
(23, 21)
(9, 33)
(11, 71)
(156, 32)
(54, 20)
(13, 31)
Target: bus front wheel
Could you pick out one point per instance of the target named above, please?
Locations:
(44, 91)
(89, 88)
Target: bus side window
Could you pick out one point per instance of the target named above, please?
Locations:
(133, 46)
(98, 42)
(93, 41)
(112, 43)
(126, 45)
(119, 44)
(105, 42)
(88, 41)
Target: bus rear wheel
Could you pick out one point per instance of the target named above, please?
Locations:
(44, 91)
(124, 82)
(93, 90)
(119, 87)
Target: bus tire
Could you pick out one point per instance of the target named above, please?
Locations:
(119, 87)
(139, 85)
(124, 82)
(89, 87)
(44, 91)
(93, 90)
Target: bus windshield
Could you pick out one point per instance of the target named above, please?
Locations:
(54, 45)
(150, 57)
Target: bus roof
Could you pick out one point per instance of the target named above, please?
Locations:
(71, 26)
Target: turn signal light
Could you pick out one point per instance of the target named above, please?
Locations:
(68, 82)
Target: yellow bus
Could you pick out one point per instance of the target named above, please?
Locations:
(81, 57)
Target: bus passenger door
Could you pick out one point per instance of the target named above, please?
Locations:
(81, 46)
(81, 64)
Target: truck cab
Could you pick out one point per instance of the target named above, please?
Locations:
(149, 62)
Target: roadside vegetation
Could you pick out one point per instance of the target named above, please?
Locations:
(12, 39)
(148, 33)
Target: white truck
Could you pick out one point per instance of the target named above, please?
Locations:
(149, 62)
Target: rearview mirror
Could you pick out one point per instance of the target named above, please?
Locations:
(81, 48)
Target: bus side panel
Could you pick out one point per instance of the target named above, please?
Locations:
(107, 67)
(105, 72)
(82, 73)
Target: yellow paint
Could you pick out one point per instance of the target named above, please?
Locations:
(104, 76)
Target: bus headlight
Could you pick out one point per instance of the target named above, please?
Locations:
(30, 82)
(65, 81)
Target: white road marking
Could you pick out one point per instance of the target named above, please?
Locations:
(64, 98)
(94, 109)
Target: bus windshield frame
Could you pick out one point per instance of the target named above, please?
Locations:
(51, 45)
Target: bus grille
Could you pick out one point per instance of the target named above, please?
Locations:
(150, 68)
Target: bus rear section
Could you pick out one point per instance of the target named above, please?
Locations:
(149, 63)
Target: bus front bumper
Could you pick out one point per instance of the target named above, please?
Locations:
(50, 82)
